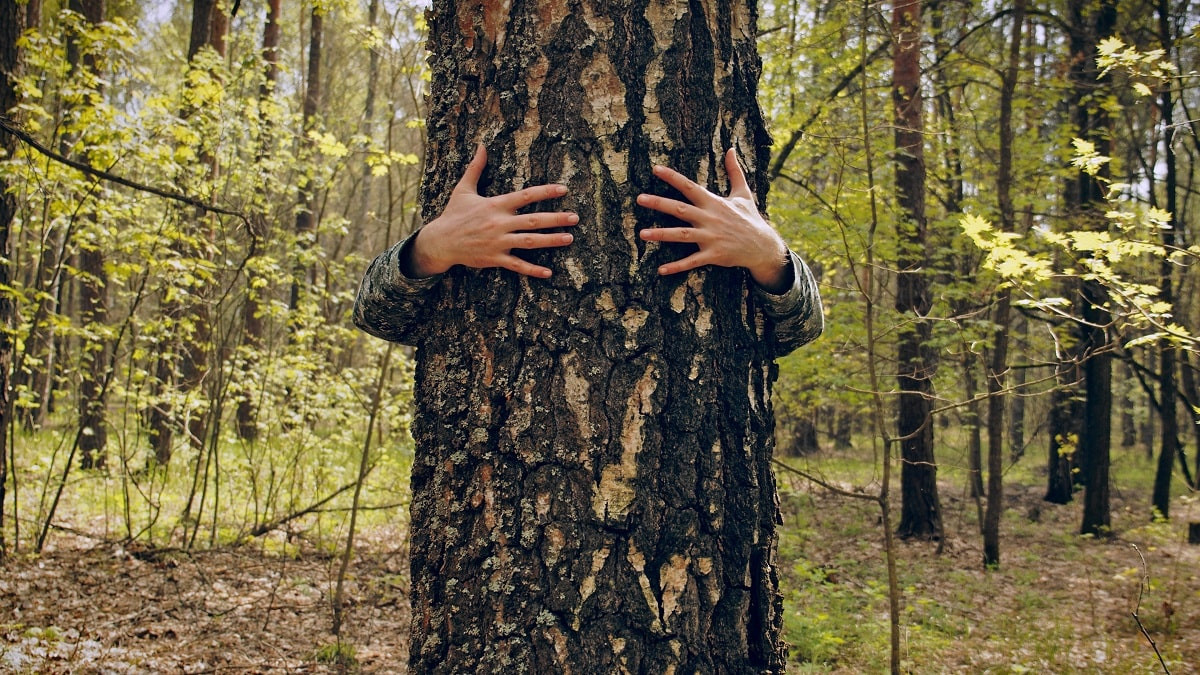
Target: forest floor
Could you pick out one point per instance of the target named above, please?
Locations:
(1059, 603)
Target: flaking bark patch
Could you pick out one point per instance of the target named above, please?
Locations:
(591, 487)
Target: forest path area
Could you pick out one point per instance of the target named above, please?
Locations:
(1059, 603)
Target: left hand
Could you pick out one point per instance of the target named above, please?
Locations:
(729, 230)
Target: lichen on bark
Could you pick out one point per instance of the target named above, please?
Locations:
(592, 488)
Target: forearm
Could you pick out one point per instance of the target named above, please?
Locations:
(797, 313)
(392, 304)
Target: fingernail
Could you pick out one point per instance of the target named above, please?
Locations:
(545, 274)
(560, 190)
(662, 270)
(566, 239)
(573, 219)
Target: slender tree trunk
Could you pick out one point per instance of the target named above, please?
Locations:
(93, 314)
(183, 363)
(10, 26)
(920, 514)
(306, 224)
(1016, 403)
(592, 489)
(998, 367)
(1169, 446)
(253, 320)
(1092, 23)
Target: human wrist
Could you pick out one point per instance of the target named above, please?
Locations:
(773, 272)
(416, 261)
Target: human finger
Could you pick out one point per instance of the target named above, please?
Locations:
(521, 198)
(529, 240)
(672, 234)
(470, 178)
(738, 187)
(541, 220)
(512, 262)
(697, 259)
(671, 207)
(694, 192)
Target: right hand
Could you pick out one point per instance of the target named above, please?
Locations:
(478, 231)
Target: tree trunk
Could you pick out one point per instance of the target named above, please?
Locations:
(1169, 446)
(592, 490)
(10, 27)
(184, 362)
(998, 365)
(1016, 403)
(306, 224)
(93, 314)
(1063, 423)
(253, 321)
(920, 514)
(1092, 23)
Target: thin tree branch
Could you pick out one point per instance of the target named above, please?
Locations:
(10, 127)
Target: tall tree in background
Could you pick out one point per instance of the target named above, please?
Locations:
(1090, 23)
(998, 367)
(184, 361)
(306, 222)
(93, 305)
(257, 285)
(920, 514)
(592, 485)
(1169, 446)
(10, 28)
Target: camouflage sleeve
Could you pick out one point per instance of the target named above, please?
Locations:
(391, 305)
(797, 312)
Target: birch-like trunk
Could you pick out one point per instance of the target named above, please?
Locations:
(592, 488)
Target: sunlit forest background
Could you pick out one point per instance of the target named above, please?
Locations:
(197, 191)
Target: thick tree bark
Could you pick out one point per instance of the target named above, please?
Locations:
(1168, 397)
(10, 27)
(920, 513)
(592, 488)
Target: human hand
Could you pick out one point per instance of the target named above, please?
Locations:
(478, 231)
(729, 230)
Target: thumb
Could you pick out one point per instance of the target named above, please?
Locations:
(738, 187)
(470, 178)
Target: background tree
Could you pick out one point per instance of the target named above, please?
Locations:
(920, 513)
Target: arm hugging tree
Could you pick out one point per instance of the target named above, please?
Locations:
(592, 488)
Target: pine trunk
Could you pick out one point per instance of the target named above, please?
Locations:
(592, 489)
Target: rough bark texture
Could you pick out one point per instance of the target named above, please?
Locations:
(10, 26)
(592, 489)
(920, 513)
